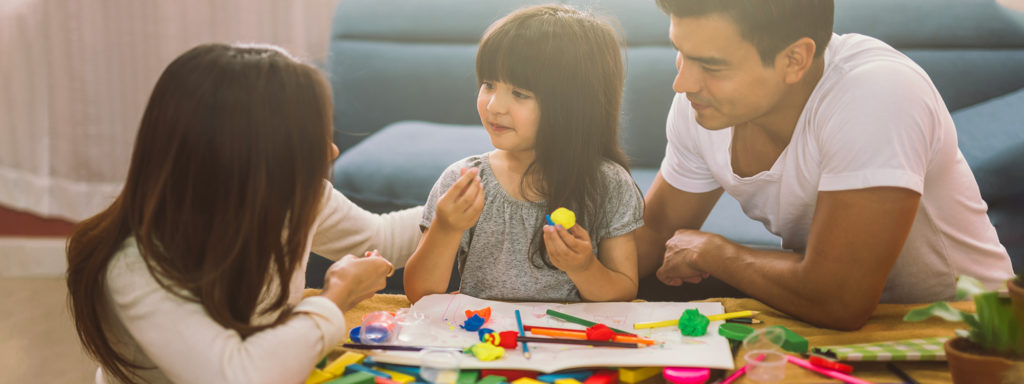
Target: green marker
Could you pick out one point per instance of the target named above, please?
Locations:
(586, 323)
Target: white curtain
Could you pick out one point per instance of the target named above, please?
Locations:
(75, 76)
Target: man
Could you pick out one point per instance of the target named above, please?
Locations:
(846, 152)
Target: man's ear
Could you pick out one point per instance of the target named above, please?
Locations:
(794, 60)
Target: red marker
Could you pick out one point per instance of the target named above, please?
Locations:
(830, 364)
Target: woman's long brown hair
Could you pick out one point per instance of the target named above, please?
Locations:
(573, 64)
(224, 183)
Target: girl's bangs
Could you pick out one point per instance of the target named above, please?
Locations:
(512, 58)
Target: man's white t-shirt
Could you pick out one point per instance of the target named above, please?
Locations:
(874, 119)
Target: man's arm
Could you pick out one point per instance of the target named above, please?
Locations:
(855, 238)
(667, 209)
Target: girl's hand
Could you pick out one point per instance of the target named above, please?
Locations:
(351, 279)
(460, 207)
(569, 250)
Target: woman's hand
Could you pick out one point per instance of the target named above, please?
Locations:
(351, 280)
(569, 249)
(460, 207)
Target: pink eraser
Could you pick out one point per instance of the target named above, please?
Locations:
(683, 375)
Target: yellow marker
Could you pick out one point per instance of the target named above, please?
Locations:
(337, 367)
(671, 323)
(636, 375)
(527, 380)
(567, 380)
(732, 315)
(397, 376)
(318, 376)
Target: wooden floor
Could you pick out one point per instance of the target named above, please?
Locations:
(38, 343)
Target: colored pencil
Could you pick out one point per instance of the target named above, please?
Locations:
(385, 347)
(826, 372)
(586, 323)
(744, 320)
(739, 372)
(528, 328)
(526, 348)
(674, 322)
(656, 324)
(595, 343)
(582, 335)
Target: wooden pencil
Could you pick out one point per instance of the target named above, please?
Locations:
(594, 343)
(531, 327)
(385, 347)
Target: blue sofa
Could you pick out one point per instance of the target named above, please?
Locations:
(404, 93)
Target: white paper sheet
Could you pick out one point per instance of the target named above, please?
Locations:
(444, 313)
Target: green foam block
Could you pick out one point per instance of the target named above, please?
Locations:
(492, 379)
(794, 342)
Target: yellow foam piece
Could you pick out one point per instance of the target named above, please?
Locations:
(337, 367)
(396, 376)
(636, 375)
(563, 216)
(567, 380)
(487, 352)
(527, 380)
(318, 376)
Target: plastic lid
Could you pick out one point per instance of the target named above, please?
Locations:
(733, 331)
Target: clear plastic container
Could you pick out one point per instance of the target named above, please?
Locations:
(410, 327)
(377, 328)
(440, 366)
(765, 360)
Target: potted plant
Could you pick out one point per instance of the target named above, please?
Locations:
(994, 344)
(1016, 288)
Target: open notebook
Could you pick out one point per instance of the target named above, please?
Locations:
(445, 312)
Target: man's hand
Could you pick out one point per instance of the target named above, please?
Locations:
(569, 249)
(681, 254)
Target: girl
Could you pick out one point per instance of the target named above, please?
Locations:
(195, 272)
(551, 83)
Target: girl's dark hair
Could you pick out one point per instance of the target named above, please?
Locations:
(770, 25)
(572, 63)
(224, 183)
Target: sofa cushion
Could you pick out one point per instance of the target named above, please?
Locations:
(991, 137)
(396, 167)
(988, 129)
(726, 218)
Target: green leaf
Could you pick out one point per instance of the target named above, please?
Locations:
(940, 309)
(967, 287)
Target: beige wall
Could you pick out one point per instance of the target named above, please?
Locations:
(76, 75)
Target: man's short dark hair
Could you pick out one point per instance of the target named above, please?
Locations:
(770, 25)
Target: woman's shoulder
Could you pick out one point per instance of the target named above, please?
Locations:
(127, 270)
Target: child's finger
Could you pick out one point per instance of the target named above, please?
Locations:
(554, 241)
(566, 237)
(465, 202)
(463, 182)
(578, 232)
(474, 191)
(472, 179)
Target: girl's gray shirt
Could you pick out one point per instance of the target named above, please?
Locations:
(493, 255)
